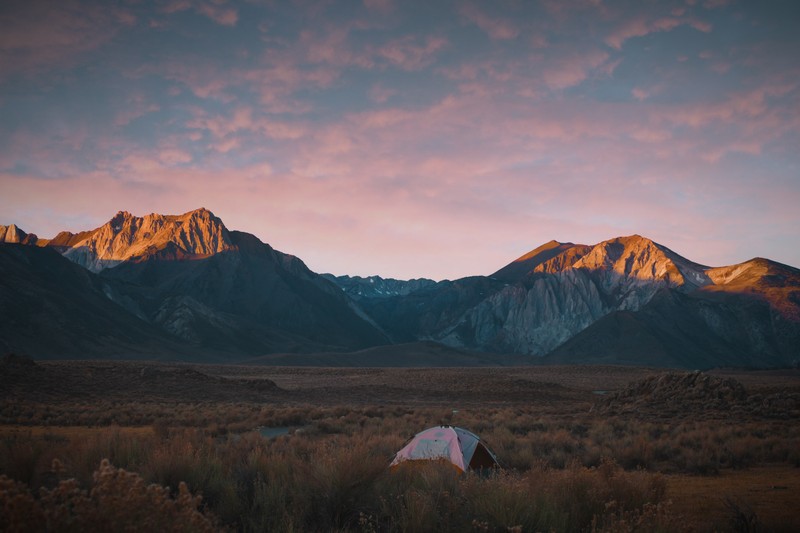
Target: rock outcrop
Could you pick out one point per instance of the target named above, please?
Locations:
(125, 237)
(561, 289)
(13, 235)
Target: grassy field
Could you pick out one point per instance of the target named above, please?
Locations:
(87, 445)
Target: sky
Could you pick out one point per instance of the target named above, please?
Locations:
(409, 138)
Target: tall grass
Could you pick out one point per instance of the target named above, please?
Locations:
(564, 473)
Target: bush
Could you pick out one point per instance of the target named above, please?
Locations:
(117, 501)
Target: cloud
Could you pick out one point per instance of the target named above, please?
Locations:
(220, 14)
(409, 54)
(496, 28)
(640, 94)
(381, 94)
(373, 140)
(172, 157)
(215, 10)
(38, 35)
(136, 107)
(641, 26)
(570, 71)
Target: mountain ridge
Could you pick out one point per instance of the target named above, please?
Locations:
(218, 291)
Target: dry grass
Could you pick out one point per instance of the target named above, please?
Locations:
(568, 467)
(770, 493)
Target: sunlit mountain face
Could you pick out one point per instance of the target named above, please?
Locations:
(187, 287)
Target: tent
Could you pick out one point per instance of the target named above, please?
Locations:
(460, 447)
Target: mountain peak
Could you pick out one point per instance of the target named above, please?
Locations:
(125, 237)
(14, 235)
(11, 234)
(528, 263)
(637, 257)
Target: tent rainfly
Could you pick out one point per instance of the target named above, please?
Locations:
(458, 446)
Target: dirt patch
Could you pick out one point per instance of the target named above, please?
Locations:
(766, 497)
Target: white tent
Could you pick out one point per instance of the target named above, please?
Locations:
(460, 447)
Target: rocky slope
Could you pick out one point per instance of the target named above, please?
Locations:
(125, 237)
(556, 255)
(13, 235)
(626, 300)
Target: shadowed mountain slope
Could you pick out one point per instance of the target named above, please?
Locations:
(177, 284)
(250, 297)
(51, 307)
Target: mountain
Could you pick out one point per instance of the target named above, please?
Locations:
(13, 235)
(127, 238)
(625, 300)
(751, 323)
(250, 297)
(51, 307)
(359, 288)
(549, 257)
(185, 286)
(222, 293)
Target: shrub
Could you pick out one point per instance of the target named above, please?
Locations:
(117, 501)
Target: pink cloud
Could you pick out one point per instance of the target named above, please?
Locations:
(715, 154)
(640, 94)
(221, 126)
(220, 14)
(356, 179)
(136, 107)
(172, 157)
(176, 6)
(54, 34)
(409, 54)
(380, 94)
(496, 28)
(751, 106)
(640, 26)
(215, 10)
(243, 119)
(650, 135)
(571, 71)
